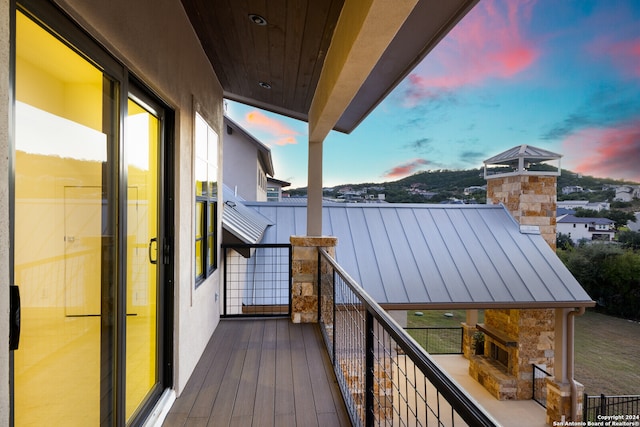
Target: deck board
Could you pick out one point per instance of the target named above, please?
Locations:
(263, 373)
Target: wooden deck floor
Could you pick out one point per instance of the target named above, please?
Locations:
(261, 373)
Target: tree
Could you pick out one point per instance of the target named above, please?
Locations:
(609, 274)
(563, 241)
(629, 239)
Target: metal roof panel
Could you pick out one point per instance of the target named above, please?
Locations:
(421, 255)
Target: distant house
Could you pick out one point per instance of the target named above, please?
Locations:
(626, 193)
(475, 189)
(572, 189)
(579, 228)
(584, 204)
(274, 189)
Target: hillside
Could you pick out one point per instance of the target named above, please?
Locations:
(441, 185)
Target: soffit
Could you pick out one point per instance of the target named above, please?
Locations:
(288, 53)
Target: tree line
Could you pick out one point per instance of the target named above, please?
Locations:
(610, 273)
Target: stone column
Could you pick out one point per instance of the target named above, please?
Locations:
(559, 401)
(304, 288)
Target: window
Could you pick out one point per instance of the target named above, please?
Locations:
(206, 209)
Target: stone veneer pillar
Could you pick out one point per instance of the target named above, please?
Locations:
(304, 288)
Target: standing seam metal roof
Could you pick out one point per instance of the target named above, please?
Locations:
(437, 255)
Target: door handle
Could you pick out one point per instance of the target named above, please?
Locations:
(14, 317)
(151, 242)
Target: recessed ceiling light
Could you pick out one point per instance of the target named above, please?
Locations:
(257, 19)
(264, 85)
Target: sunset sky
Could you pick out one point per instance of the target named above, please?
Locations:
(563, 75)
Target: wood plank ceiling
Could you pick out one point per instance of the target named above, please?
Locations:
(287, 52)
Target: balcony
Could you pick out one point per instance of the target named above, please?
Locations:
(267, 372)
(356, 366)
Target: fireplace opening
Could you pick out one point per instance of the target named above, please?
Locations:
(499, 354)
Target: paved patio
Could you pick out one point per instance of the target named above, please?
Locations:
(521, 413)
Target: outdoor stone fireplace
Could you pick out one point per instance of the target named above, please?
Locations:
(514, 340)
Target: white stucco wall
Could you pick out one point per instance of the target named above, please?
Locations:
(240, 158)
(4, 212)
(155, 40)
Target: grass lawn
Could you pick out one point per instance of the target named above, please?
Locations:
(437, 318)
(607, 354)
(607, 349)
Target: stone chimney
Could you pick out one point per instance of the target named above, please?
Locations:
(523, 181)
(526, 183)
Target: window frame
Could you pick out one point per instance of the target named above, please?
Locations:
(206, 201)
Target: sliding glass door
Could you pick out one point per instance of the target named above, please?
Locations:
(90, 249)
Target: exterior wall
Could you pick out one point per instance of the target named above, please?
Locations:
(579, 231)
(531, 199)
(241, 172)
(4, 211)
(156, 41)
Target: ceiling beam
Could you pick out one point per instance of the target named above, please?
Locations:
(363, 32)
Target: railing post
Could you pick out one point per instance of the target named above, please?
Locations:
(603, 404)
(585, 407)
(320, 319)
(335, 321)
(224, 281)
(369, 370)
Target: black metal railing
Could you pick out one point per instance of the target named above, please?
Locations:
(257, 280)
(596, 408)
(386, 378)
(540, 385)
(438, 340)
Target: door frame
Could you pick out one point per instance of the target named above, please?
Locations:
(53, 18)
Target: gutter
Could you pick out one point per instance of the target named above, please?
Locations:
(579, 311)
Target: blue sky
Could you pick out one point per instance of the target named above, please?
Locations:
(563, 75)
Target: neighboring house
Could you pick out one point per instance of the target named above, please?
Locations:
(584, 204)
(249, 162)
(564, 211)
(250, 166)
(634, 225)
(572, 189)
(274, 189)
(579, 228)
(626, 193)
(475, 189)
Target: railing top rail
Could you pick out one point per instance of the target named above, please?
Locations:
(459, 400)
(256, 245)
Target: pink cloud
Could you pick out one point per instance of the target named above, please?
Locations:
(625, 54)
(280, 132)
(405, 169)
(605, 152)
(488, 43)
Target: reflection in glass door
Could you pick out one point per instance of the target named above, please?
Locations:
(63, 229)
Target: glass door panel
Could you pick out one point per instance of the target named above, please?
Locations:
(141, 144)
(62, 209)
